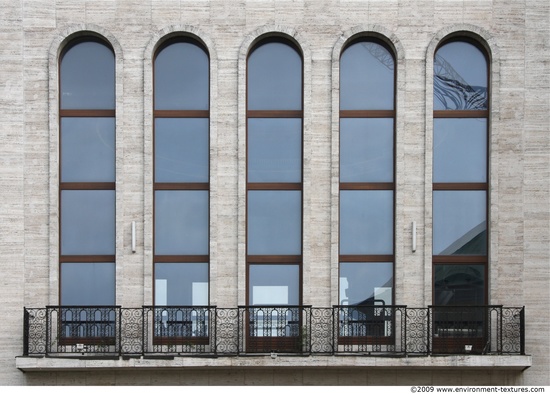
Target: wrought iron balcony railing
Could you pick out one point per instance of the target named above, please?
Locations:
(188, 330)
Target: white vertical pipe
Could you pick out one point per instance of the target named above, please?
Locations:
(133, 237)
(414, 236)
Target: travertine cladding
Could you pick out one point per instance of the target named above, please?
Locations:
(517, 34)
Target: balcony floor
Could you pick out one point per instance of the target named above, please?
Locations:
(75, 363)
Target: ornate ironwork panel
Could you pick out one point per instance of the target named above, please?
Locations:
(370, 329)
(512, 330)
(179, 329)
(367, 330)
(83, 329)
(227, 331)
(131, 333)
(416, 330)
(322, 330)
(281, 329)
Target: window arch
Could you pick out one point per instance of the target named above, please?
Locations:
(367, 187)
(87, 173)
(274, 173)
(181, 173)
(460, 173)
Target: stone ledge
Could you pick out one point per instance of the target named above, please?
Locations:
(494, 362)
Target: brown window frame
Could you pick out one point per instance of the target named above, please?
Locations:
(80, 113)
(467, 186)
(280, 343)
(389, 186)
(179, 186)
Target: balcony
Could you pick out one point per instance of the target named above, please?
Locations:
(375, 330)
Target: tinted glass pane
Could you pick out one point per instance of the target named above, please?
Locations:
(88, 222)
(87, 149)
(181, 77)
(460, 77)
(366, 150)
(460, 150)
(366, 77)
(459, 284)
(459, 223)
(88, 77)
(275, 78)
(181, 150)
(181, 222)
(366, 283)
(274, 222)
(181, 284)
(87, 284)
(274, 284)
(366, 222)
(274, 150)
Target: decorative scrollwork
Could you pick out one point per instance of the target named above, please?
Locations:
(367, 330)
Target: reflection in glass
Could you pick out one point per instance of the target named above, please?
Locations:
(366, 150)
(88, 222)
(274, 284)
(275, 150)
(181, 222)
(460, 77)
(181, 150)
(87, 149)
(460, 150)
(459, 284)
(181, 77)
(366, 77)
(366, 222)
(366, 283)
(181, 284)
(460, 226)
(85, 284)
(274, 222)
(275, 78)
(87, 77)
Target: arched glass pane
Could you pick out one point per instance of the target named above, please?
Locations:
(181, 222)
(87, 78)
(87, 284)
(181, 150)
(366, 222)
(274, 150)
(460, 77)
(460, 150)
(88, 222)
(366, 283)
(275, 78)
(460, 223)
(274, 284)
(366, 150)
(181, 284)
(181, 77)
(274, 222)
(88, 149)
(366, 77)
(459, 284)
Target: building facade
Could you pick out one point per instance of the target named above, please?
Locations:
(264, 192)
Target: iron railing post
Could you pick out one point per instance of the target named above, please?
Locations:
(47, 345)
(500, 331)
(25, 332)
(522, 331)
(429, 331)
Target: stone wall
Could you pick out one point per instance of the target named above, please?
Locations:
(32, 33)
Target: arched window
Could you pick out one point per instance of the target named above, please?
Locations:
(87, 173)
(274, 174)
(367, 185)
(460, 174)
(181, 175)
